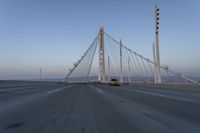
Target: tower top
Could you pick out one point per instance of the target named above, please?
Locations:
(101, 27)
(156, 2)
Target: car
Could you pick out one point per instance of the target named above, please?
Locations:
(114, 82)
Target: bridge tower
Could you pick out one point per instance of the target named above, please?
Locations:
(157, 64)
(121, 73)
(101, 76)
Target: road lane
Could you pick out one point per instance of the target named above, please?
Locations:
(77, 109)
(11, 99)
(154, 113)
(93, 108)
(179, 108)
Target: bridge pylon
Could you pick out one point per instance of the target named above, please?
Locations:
(157, 52)
(101, 76)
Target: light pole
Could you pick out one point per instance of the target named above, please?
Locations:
(157, 44)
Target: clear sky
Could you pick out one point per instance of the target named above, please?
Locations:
(53, 34)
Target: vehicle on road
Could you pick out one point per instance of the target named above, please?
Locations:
(114, 82)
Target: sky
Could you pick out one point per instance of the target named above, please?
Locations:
(53, 34)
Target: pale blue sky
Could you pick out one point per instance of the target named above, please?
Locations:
(52, 34)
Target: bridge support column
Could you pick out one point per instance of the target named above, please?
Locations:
(158, 77)
(101, 76)
(109, 68)
(121, 70)
(155, 65)
(129, 71)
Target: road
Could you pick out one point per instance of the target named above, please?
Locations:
(97, 108)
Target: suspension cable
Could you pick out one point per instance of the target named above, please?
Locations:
(162, 67)
(75, 66)
(92, 59)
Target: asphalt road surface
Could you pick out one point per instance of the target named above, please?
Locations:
(97, 108)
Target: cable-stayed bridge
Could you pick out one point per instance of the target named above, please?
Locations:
(51, 107)
(108, 58)
(114, 60)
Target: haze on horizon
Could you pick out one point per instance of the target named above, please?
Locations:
(53, 34)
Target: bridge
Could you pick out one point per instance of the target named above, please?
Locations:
(151, 98)
(114, 59)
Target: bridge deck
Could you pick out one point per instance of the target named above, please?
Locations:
(97, 108)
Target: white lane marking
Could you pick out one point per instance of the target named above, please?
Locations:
(17, 88)
(165, 96)
(11, 103)
(99, 90)
(59, 89)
